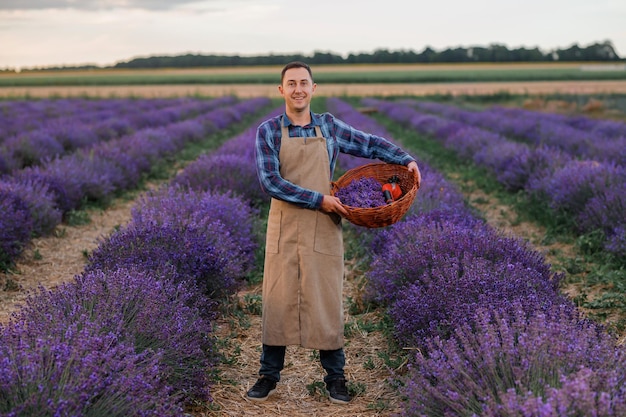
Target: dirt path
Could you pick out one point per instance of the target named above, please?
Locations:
(300, 392)
(52, 260)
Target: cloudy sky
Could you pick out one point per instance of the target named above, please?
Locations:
(39, 33)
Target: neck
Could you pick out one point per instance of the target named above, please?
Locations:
(300, 118)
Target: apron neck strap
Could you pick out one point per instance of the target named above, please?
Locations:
(285, 130)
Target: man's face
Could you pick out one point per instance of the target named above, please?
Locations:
(297, 89)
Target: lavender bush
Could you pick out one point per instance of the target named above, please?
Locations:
(96, 347)
(120, 343)
(88, 374)
(415, 247)
(582, 393)
(157, 249)
(16, 225)
(518, 365)
(40, 202)
(547, 168)
(446, 297)
(227, 222)
(221, 173)
(29, 150)
(89, 126)
(571, 187)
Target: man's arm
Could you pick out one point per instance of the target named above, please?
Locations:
(268, 172)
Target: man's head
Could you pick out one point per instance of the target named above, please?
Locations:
(295, 64)
(297, 87)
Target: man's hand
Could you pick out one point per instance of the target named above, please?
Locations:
(412, 166)
(331, 204)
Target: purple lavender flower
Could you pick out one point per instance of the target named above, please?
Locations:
(117, 342)
(226, 220)
(509, 161)
(583, 393)
(188, 256)
(605, 211)
(364, 192)
(531, 355)
(40, 202)
(412, 249)
(16, 225)
(222, 173)
(572, 187)
(31, 148)
(446, 297)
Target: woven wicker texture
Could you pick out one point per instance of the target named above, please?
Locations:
(384, 215)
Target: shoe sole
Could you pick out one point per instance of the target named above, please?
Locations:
(337, 401)
(261, 399)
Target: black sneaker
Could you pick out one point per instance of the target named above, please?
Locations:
(263, 388)
(338, 391)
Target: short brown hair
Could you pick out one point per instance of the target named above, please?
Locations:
(295, 64)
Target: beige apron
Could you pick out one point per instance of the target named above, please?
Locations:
(303, 276)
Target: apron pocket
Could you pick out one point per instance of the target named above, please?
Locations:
(328, 237)
(273, 231)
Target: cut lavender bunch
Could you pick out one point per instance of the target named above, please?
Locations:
(363, 192)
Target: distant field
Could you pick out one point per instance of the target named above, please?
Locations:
(323, 89)
(333, 80)
(337, 74)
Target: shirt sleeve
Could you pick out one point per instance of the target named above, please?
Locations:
(268, 170)
(358, 143)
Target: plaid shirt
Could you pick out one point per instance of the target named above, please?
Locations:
(340, 137)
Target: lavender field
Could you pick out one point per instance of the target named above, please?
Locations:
(479, 313)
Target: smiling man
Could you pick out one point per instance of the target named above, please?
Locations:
(296, 154)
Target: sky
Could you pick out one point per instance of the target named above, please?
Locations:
(44, 33)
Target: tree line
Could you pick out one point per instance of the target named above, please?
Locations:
(601, 51)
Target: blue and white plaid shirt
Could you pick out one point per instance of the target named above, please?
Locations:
(340, 137)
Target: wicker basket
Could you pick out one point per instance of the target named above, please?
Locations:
(384, 215)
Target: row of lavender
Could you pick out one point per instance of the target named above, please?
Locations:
(491, 333)
(579, 136)
(18, 116)
(79, 126)
(590, 191)
(131, 335)
(34, 200)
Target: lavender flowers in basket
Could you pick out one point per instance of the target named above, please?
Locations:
(364, 192)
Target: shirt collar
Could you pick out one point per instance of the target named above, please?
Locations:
(315, 120)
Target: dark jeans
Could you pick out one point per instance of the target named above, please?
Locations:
(273, 361)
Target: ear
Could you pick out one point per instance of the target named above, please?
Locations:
(314, 87)
(280, 89)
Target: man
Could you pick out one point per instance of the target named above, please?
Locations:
(296, 154)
